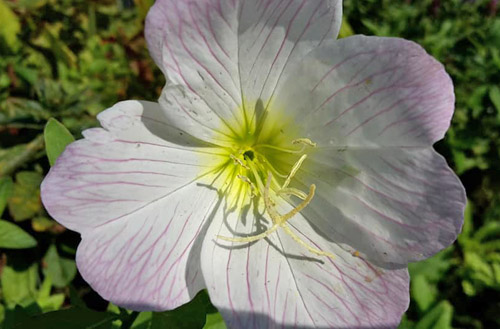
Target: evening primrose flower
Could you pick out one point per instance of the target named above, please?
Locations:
(290, 174)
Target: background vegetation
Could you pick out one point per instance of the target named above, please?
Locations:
(70, 59)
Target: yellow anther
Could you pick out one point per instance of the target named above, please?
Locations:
(304, 141)
(238, 161)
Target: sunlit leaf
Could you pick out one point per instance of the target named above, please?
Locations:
(215, 321)
(478, 273)
(423, 292)
(10, 26)
(143, 321)
(438, 318)
(19, 285)
(45, 300)
(51, 303)
(345, 29)
(13, 237)
(2, 313)
(57, 137)
(49, 38)
(432, 268)
(42, 224)
(25, 200)
(61, 270)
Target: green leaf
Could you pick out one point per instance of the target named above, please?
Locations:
(19, 286)
(31, 4)
(495, 97)
(468, 227)
(345, 29)
(14, 157)
(57, 137)
(489, 230)
(75, 298)
(143, 321)
(74, 318)
(42, 224)
(13, 237)
(5, 191)
(438, 318)
(45, 300)
(19, 314)
(2, 314)
(45, 288)
(215, 321)
(468, 288)
(189, 316)
(423, 292)
(432, 268)
(10, 26)
(143, 7)
(25, 200)
(475, 100)
(51, 303)
(405, 323)
(479, 273)
(60, 270)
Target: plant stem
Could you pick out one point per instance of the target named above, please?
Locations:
(127, 323)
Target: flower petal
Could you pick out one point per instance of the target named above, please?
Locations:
(276, 282)
(370, 92)
(130, 190)
(144, 261)
(229, 52)
(137, 159)
(394, 206)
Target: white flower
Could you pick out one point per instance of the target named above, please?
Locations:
(290, 174)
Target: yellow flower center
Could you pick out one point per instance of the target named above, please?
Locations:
(261, 164)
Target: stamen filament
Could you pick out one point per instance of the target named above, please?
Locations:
(282, 149)
(294, 170)
(296, 238)
(274, 170)
(292, 191)
(238, 161)
(249, 182)
(258, 165)
(260, 185)
(301, 206)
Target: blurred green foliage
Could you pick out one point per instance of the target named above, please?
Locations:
(63, 61)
